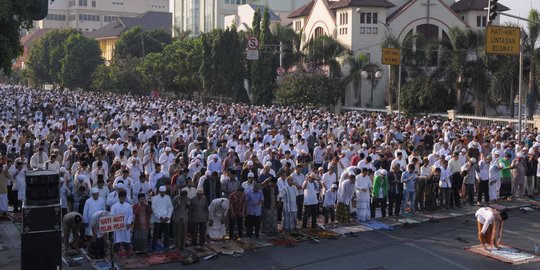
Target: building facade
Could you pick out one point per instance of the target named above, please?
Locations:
(199, 16)
(362, 25)
(90, 15)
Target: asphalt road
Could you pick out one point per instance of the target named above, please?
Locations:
(426, 246)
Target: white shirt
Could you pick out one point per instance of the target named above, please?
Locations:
(310, 193)
(162, 207)
(485, 216)
(328, 179)
(345, 192)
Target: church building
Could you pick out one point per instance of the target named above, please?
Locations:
(362, 25)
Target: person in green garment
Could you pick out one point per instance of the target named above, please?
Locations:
(379, 193)
(506, 176)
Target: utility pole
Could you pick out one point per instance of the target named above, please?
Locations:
(280, 54)
(519, 87)
(142, 43)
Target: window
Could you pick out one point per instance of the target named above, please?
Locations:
(343, 18)
(71, 3)
(374, 30)
(481, 21)
(83, 3)
(118, 3)
(89, 17)
(72, 17)
(319, 31)
(93, 3)
(107, 18)
(368, 30)
(343, 31)
(362, 30)
(369, 17)
(297, 25)
(237, 2)
(56, 17)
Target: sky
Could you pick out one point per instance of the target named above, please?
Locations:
(519, 8)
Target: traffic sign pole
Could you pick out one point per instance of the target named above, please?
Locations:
(519, 87)
(113, 267)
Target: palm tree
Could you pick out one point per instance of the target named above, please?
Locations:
(180, 34)
(356, 66)
(533, 34)
(292, 52)
(325, 51)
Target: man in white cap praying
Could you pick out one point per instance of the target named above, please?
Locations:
(91, 206)
(218, 211)
(166, 159)
(162, 209)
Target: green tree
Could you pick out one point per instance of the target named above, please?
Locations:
(45, 56)
(263, 71)
(356, 65)
(13, 17)
(425, 94)
(120, 77)
(81, 58)
(307, 89)
(136, 42)
(176, 69)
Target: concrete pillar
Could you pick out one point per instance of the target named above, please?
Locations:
(536, 121)
(452, 115)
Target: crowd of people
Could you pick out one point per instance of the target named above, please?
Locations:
(188, 171)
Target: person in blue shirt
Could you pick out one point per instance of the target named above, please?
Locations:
(408, 178)
(254, 201)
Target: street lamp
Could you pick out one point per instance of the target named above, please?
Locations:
(371, 75)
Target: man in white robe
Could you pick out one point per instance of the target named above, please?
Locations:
(91, 206)
(288, 196)
(123, 237)
(363, 197)
(218, 211)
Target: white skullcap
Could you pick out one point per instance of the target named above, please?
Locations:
(208, 173)
(168, 149)
(250, 163)
(351, 173)
(251, 174)
(119, 185)
(162, 189)
(497, 152)
(94, 190)
(334, 186)
(384, 172)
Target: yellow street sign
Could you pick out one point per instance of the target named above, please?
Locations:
(391, 56)
(502, 40)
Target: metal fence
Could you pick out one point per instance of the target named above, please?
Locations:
(473, 119)
(499, 121)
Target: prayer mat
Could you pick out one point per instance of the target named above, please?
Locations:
(133, 262)
(283, 240)
(351, 229)
(377, 225)
(505, 254)
(70, 261)
(408, 220)
(320, 234)
(420, 218)
(261, 241)
(15, 217)
(103, 265)
(201, 252)
(390, 221)
(165, 257)
(246, 244)
(299, 236)
(498, 206)
(228, 248)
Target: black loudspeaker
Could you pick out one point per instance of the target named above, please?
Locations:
(42, 187)
(41, 218)
(41, 251)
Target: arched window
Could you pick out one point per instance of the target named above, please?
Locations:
(319, 31)
(430, 34)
